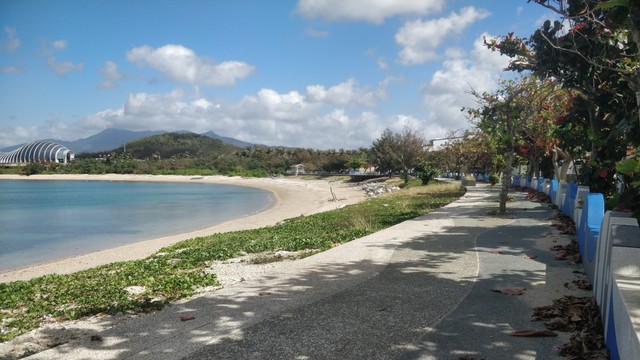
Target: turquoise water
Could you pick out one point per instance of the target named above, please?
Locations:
(46, 220)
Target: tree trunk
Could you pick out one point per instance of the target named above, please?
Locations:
(506, 183)
(596, 128)
(634, 84)
(567, 159)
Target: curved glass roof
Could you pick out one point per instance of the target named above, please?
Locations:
(46, 151)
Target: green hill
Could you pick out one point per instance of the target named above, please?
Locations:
(178, 145)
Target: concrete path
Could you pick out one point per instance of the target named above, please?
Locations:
(418, 290)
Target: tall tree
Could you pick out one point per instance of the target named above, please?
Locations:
(394, 152)
(499, 116)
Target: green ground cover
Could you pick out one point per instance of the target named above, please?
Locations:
(178, 271)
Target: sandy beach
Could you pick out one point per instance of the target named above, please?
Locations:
(294, 197)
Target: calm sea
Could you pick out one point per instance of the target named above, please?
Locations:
(46, 220)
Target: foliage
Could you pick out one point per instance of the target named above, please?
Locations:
(180, 270)
(13, 170)
(629, 198)
(499, 115)
(594, 54)
(493, 179)
(426, 172)
(33, 168)
(191, 154)
(177, 145)
(394, 152)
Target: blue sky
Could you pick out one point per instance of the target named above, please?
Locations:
(307, 73)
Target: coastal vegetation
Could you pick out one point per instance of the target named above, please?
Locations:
(181, 270)
(185, 153)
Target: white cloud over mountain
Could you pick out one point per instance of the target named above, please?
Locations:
(183, 66)
(322, 117)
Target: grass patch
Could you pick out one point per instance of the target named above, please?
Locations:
(178, 271)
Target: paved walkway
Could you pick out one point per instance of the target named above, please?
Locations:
(418, 290)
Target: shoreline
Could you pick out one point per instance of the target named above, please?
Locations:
(293, 197)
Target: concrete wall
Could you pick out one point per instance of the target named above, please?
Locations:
(609, 245)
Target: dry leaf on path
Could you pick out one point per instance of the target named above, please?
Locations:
(534, 333)
(510, 291)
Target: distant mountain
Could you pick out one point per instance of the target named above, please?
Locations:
(105, 140)
(111, 139)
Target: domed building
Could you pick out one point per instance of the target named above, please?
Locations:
(38, 151)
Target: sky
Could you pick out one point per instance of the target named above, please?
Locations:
(323, 74)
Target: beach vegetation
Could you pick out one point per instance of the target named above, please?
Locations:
(183, 269)
(398, 152)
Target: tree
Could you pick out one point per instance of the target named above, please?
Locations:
(394, 152)
(425, 172)
(382, 153)
(499, 116)
(594, 52)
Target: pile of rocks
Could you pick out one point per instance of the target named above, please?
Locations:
(374, 189)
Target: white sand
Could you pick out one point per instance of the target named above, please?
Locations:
(294, 197)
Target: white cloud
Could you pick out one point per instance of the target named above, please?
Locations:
(382, 64)
(9, 69)
(61, 68)
(12, 42)
(110, 75)
(346, 93)
(375, 11)
(448, 91)
(10, 136)
(317, 33)
(320, 116)
(51, 128)
(420, 39)
(182, 65)
(59, 44)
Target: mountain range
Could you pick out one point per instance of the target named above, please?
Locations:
(110, 139)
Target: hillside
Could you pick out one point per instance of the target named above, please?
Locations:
(179, 145)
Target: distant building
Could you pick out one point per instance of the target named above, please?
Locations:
(438, 144)
(38, 151)
(296, 169)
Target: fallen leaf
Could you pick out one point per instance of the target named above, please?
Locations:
(186, 318)
(96, 338)
(583, 284)
(510, 291)
(534, 333)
